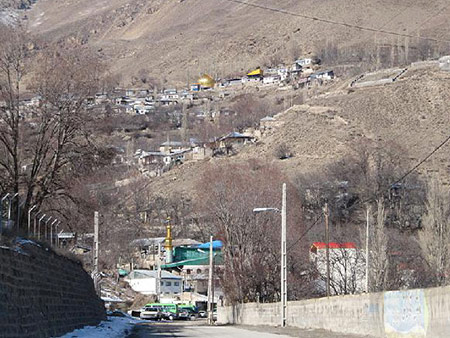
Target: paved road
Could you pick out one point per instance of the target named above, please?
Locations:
(195, 330)
(199, 329)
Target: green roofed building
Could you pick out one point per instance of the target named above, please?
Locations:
(183, 256)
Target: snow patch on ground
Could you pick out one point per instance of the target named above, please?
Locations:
(114, 327)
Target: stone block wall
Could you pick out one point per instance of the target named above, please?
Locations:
(43, 294)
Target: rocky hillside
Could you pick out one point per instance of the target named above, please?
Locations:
(411, 114)
(175, 40)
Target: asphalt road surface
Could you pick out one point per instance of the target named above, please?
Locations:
(195, 330)
(199, 329)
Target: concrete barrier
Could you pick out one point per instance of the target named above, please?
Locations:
(410, 313)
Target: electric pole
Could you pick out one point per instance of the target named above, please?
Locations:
(158, 279)
(96, 242)
(327, 235)
(210, 283)
(367, 248)
(283, 258)
(95, 274)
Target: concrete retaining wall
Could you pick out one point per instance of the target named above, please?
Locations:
(411, 313)
(43, 294)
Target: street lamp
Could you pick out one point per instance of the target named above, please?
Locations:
(39, 225)
(283, 253)
(51, 231)
(9, 205)
(29, 217)
(46, 227)
(57, 234)
(1, 212)
(35, 222)
(19, 205)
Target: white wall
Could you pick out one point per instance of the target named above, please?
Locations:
(146, 286)
(393, 314)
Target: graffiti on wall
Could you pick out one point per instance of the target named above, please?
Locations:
(405, 314)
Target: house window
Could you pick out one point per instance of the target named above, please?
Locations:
(199, 270)
(176, 283)
(162, 283)
(168, 283)
(188, 271)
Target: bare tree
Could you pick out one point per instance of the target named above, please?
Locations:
(378, 255)
(41, 146)
(434, 238)
(226, 197)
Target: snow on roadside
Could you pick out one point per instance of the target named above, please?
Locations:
(114, 327)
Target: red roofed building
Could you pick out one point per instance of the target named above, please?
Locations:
(333, 245)
(347, 267)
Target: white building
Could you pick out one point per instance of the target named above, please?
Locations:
(444, 63)
(347, 267)
(271, 79)
(145, 282)
(305, 62)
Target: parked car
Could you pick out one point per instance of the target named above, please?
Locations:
(192, 312)
(151, 313)
(168, 315)
(184, 314)
(202, 314)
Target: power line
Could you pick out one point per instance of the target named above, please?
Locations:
(436, 149)
(306, 232)
(333, 22)
(423, 160)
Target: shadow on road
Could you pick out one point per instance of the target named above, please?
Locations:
(161, 329)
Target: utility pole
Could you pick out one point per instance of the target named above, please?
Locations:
(95, 273)
(283, 259)
(327, 235)
(158, 278)
(367, 248)
(96, 242)
(210, 283)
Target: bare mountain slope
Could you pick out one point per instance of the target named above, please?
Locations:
(412, 114)
(178, 39)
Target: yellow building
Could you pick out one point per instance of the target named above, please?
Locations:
(256, 73)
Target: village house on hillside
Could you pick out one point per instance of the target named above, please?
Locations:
(233, 141)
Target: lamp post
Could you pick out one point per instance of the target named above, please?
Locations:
(9, 206)
(29, 217)
(35, 222)
(39, 225)
(283, 253)
(57, 233)
(1, 212)
(46, 228)
(51, 231)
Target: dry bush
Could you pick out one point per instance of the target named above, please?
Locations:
(283, 151)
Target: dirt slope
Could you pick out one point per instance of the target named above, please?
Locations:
(412, 113)
(175, 39)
